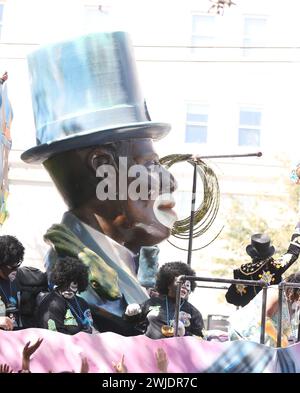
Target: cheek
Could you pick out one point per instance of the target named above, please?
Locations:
(141, 211)
(141, 218)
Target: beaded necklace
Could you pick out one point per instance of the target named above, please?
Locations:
(9, 299)
(168, 330)
(80, 314)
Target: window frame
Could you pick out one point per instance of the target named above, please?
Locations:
(249, 40)
(209, 39)
(199, 123)
(248, 126)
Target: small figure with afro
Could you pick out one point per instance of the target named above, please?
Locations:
(11, 258)
(62, 309)
(159, 312)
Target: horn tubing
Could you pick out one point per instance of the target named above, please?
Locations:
(258, 154)
(203, 217)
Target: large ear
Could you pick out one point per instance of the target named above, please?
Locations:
(100, 156)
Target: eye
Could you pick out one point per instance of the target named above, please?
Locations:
(94, 284)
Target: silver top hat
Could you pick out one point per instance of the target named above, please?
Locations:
(85, 92)
(260, 246)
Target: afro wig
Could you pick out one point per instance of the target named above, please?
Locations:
(168, 272)
(293, 293)
(11, 251)
(67, 270)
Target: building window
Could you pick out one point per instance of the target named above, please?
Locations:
(250, 127)
(254, 34)
(196, 123)
(1, 18)
(203, 30)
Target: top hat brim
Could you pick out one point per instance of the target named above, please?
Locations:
(149, 129)
(252, 252)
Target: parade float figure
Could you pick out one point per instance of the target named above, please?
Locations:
(62, 310)
(262, 267)
(19, 286)
(6, 116)
(159, 311)
(92, 126)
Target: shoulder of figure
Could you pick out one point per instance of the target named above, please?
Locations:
(82, 301)
(156, 300)
(28, 276)
(54, 299)
(189, 307)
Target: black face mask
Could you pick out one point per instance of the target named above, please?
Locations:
(70, 291)
(9, 271)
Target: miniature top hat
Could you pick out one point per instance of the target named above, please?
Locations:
(260, 246)
(86, 92)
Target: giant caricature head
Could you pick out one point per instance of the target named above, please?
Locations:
(89, 113)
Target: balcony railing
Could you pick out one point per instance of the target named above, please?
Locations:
(181, 279)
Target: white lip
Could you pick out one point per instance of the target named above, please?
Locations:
(163, 210)
(183, 292)
(68, 294)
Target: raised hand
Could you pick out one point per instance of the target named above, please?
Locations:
(120, 367)
(28, 350)
(5, 369)
(161, 360)
(84, 365)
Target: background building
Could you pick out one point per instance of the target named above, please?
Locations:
(228, 84)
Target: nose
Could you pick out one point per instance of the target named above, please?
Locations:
(168, 182)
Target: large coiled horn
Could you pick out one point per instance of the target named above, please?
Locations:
(205, 214)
